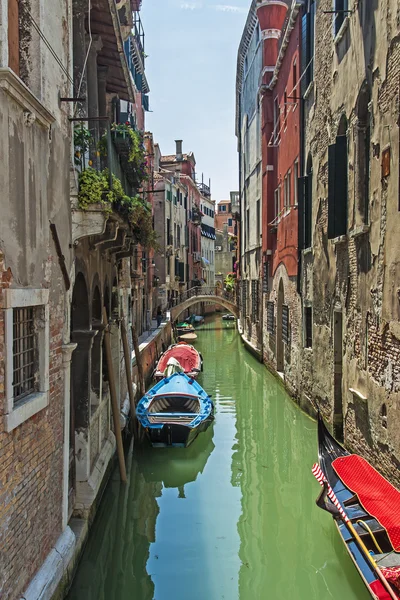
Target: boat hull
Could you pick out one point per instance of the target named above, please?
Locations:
(329, 451)
(178, 436)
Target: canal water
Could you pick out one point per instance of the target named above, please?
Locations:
(233, 516)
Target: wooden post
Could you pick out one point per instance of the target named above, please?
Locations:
(128, 364)
(138, 361)
(114, 399)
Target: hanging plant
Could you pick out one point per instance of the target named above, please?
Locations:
(94, 188)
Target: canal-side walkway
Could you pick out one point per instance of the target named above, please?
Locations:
(232, 517)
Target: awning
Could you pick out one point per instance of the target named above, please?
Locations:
(204, 261)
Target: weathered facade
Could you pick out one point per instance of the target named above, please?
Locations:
(69, 249)
(350, 257)
(329, 97)
(34, 340)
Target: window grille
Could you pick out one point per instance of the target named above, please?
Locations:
(265, 278)
(308, 327)
(244, 298)
(285, 323)
(24, 353)
(270, 317)
(254, 300)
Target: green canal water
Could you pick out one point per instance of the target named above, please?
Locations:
(233, 516)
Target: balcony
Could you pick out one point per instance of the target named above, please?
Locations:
(108, 171)
(196, 215)
(204, 189)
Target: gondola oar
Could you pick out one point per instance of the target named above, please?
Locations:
(320, 477)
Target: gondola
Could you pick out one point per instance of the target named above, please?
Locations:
(366, 510)
(186, 355)
(175, 411)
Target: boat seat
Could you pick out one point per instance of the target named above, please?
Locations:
(388, 559)
(356, 512)
(374, 526)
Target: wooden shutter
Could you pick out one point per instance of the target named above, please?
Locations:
(331, 190)
(307, 211)
(304, 52)
(300, 211)
(341, 166)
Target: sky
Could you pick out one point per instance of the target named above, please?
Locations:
(191, 70)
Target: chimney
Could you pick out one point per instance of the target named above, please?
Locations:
(179, 155)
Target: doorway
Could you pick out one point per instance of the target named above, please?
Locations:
(279, 333)
(338, 374)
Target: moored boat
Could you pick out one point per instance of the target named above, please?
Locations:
(228, 317)
(186, 355)
(365, 507)
(182, 328)
(175, 411)
(187, 337)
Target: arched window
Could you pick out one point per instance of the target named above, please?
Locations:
(337, 182)
(363, 141)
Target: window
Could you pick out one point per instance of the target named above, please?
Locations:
(285, 324)
(229, 222)
(295, 92)
(285, 109)
(258, 224)
(222, 208)
(337, 183)
(277, 201)
(287, 191)
(308, 327)
(254, 300)
(13, 35)
(270, 318)
(265, 278)
(296, 182)
(307, 46)
(27, 354)
(277, 120)
(341, 6)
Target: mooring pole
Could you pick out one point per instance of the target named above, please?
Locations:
(138, 361)
(128, 364)
(114, 399)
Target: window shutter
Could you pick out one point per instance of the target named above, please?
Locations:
(331, 190)
(311, 42)
(307, 211)
(270, 317)
(341, 166)
(300, 211)
(265, 278)
(304, 54)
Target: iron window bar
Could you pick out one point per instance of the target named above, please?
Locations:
(24, 353)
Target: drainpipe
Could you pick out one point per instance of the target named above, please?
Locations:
(67, 350)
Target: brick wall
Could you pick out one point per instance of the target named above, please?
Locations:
(30, 471)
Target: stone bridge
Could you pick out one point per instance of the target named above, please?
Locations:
(195, 295)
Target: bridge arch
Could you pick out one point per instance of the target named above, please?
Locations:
(177, 310)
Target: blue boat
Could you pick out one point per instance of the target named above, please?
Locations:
(175, 411)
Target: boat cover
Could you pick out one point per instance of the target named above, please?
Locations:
(392, 574)
(186, 355)
(377, 496)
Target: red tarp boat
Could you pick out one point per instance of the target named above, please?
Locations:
(186, 355)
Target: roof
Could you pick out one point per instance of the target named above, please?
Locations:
(172, 158)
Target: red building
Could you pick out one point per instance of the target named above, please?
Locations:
(280, 124)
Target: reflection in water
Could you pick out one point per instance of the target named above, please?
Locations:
(233, 516)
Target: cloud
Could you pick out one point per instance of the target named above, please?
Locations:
(190, 5)
(229, 8)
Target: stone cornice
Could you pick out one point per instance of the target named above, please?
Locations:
(21, 94)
